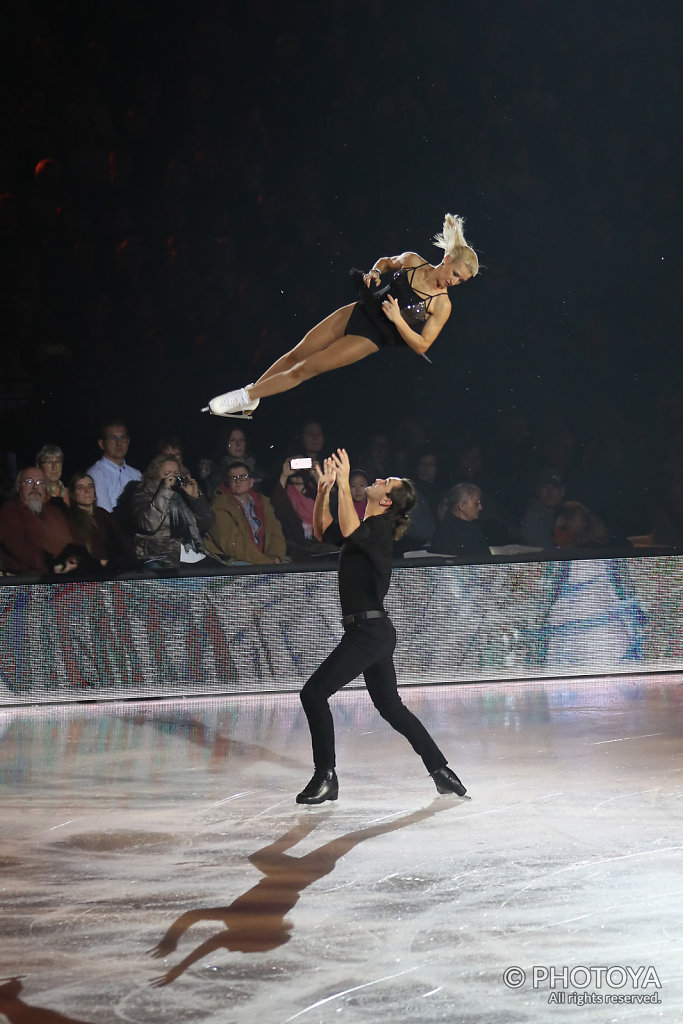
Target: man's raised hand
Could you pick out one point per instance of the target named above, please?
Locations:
(341, 465)
(327, 476)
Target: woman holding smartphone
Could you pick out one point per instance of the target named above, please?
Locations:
(402, 300)
(293, 497)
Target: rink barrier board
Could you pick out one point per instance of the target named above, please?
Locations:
(268, 631)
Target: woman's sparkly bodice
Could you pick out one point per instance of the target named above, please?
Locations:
(413, 305)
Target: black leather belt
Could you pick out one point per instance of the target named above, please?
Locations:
(348, 620)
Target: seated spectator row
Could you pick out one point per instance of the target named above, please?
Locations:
(112, 518)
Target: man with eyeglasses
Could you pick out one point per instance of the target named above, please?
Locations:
(112, 473)
(30, 527)
(245, 527)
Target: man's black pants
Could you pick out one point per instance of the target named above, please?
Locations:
(366, 647)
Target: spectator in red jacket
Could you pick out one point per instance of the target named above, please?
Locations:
(31, 529)
(245, 527)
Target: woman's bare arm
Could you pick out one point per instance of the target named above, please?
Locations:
(432, 328)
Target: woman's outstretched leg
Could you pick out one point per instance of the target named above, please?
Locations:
(323, 349)
(319, 337)
(343, 352)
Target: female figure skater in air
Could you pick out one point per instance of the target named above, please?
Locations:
(402, 300)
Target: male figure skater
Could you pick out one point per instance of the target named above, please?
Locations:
(369, 637)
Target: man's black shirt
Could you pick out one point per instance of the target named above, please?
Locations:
(364, 563)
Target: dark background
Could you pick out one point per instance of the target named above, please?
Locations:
(184, 191)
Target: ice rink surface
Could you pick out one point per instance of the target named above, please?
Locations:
(155, 867)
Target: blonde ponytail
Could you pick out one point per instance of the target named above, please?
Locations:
(452, 241)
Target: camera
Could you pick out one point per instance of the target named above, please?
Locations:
(301, 463)
(181, 481)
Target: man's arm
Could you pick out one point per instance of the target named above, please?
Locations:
(348, 517)
(321, 511)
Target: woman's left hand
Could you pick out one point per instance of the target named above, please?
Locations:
(391, 309)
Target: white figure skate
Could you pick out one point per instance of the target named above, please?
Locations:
(235, 404)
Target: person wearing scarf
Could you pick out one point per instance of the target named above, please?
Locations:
(245, 527)
(293, 498)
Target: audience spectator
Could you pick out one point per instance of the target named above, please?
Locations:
(420, 529)
(538, 518)
(426, 480)
(377, 460)
(170, 516)
(205, 468)
(236, 450)
(358, 481)
(300, 488)
(578, 527)
(293, 498)
(245, 527)
(50, 459)
(97, 530)
(458, 532)
(112, 473)
(31, 529)
(171, 445)
(312, 441)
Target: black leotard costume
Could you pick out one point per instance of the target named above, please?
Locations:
(367, 318)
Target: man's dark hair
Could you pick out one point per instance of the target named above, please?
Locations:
(237, 465)
(403, 500)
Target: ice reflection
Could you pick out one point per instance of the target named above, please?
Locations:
(207, 733)
(256, 921)
(18, 1012)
